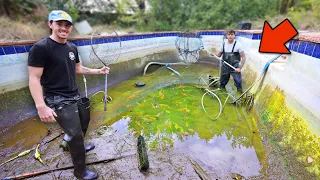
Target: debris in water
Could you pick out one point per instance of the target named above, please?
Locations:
(142, 154)
(237, 176)
(199, 170)
(37, 155)
(102, 130)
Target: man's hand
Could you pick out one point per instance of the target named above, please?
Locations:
(238, 70)
(104, 70)
(46, 114)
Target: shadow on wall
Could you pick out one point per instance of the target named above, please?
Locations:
(18, 104)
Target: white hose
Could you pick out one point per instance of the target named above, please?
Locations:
(173, 70)
(85, 85)
(229, 95)
(201, 78)
(208, 91)
(159, 63)
(96, 94)
(218, 79)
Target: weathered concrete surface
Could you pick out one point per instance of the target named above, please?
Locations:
(168, 164)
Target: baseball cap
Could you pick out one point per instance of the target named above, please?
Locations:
(58, 15)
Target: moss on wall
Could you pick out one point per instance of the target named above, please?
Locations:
(15, 106)
(291, 135)
(249, 75)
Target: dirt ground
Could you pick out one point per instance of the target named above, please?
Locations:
(168, 164)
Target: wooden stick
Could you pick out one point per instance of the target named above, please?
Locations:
(33, 174)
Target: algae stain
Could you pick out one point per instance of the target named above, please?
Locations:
(291, 133)
(249, 75)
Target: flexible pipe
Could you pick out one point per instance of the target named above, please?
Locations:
(159, 63)
(208, 91)
(173, 70)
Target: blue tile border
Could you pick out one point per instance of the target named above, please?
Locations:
(307, 48)
(20, 49)
(1, 51)
(9, 50)
(303, 47)
(28, 47)
(316, 51)
(310, 48)
(256, 36)
(86, 42)
(295, 45)
(75, 42)
(290, 45)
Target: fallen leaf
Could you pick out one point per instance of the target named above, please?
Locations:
(309, 159)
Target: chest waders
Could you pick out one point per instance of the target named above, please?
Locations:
(73, 118)
(84, 113)
(232, 58)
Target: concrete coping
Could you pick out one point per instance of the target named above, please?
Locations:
(302, 36)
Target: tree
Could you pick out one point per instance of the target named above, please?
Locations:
(66, 5)
(16, 9)
(203, 14)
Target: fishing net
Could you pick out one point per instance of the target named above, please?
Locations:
(106, 49)
(105, 45)
(189, 44)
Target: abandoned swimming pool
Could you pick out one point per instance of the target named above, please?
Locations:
(270, 141)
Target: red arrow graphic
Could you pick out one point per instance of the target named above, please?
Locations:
(274, 40)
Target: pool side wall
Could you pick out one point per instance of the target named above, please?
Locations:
(296, 75)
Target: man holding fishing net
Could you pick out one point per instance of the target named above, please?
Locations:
(232, 53)
(53, 63)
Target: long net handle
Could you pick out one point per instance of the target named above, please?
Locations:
(105, 93)
(105, 53)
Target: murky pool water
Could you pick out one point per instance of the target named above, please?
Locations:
(169, 113)
(173, 117)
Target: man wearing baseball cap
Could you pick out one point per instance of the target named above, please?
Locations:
(52, 64)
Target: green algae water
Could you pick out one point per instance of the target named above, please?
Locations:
(174, 117)
(168, 112)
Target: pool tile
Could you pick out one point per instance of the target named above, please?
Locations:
(295, 45)
(9, 50)
(302, 47)
(316, 51)
(20, 49)
(256, 36)
(28, 47)
(81, 43)
(75, 42)
(309, 49)
(1, 51)
(87, 42)
(290, 45)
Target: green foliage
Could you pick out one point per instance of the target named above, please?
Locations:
(55, 5)
(315, 8)
(295, 16)
(165, 15)
(216, 14)
(18, 9)
(122, 9)
(74, 13)
(98, 18)
(66, 5)
(202, 14)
